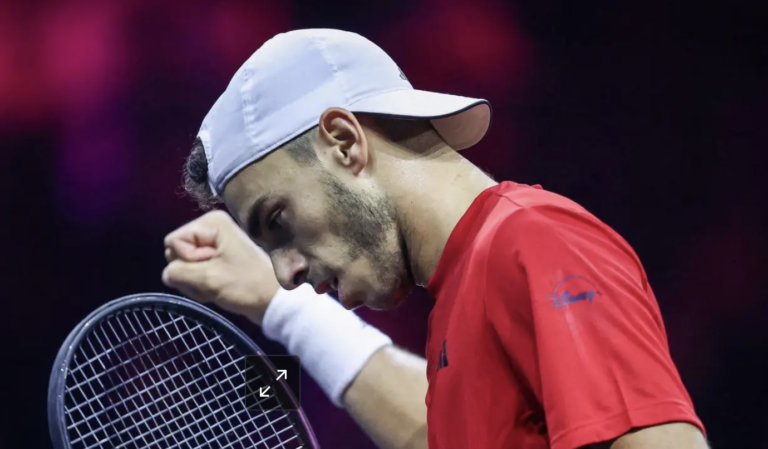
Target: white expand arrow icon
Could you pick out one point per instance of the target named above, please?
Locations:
(283, 372)
(263, 391)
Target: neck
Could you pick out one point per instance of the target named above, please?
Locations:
(431, 194)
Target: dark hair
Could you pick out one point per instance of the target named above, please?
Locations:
(398, 130)
(196, 177)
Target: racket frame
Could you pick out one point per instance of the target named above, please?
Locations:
(57, 424)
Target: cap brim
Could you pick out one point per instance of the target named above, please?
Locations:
(461, 121)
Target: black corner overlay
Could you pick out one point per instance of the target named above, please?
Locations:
(268, 379)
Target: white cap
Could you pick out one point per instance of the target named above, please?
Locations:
(285, 86)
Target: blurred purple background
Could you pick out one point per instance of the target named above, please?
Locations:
(650, 114)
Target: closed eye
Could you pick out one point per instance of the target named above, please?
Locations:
(273, 221)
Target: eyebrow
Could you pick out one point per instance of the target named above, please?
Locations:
(252, 218)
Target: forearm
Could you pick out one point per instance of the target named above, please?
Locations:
(387, 399)
(356, 365)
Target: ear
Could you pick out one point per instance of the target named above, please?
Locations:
(344, 140)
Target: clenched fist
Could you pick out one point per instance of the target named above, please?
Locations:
(211, 259)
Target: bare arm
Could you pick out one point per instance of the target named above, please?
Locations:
(212, 261)
(387, 399)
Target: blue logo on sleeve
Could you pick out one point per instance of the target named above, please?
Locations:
(572, 289)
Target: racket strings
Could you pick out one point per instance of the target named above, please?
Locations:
(107, 372)
(153, 379)
(216, 355)
(169, 393)
(172, 378)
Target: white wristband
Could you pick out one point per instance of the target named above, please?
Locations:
(333, 343)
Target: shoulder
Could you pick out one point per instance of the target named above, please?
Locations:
(521, 205)
(527, 217)
(544, 230)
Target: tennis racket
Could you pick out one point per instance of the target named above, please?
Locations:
(160, 371)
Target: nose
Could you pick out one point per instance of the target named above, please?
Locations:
(291, 268)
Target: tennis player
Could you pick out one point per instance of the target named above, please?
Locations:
(545, 332)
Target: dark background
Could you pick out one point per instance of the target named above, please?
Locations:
(651, 114)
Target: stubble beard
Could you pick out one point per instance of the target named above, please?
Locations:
(367, 223)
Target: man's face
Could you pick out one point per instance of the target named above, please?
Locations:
(327, 230)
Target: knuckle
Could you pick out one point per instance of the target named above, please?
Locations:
(173, 273)
(168, 277)
(178, 234)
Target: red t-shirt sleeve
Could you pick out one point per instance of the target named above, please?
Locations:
(600, 363)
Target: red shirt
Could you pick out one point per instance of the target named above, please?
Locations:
(545, 332)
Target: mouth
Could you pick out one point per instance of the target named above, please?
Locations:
(334, 285)
(328, 286)
(343, 300)
(324, 287)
